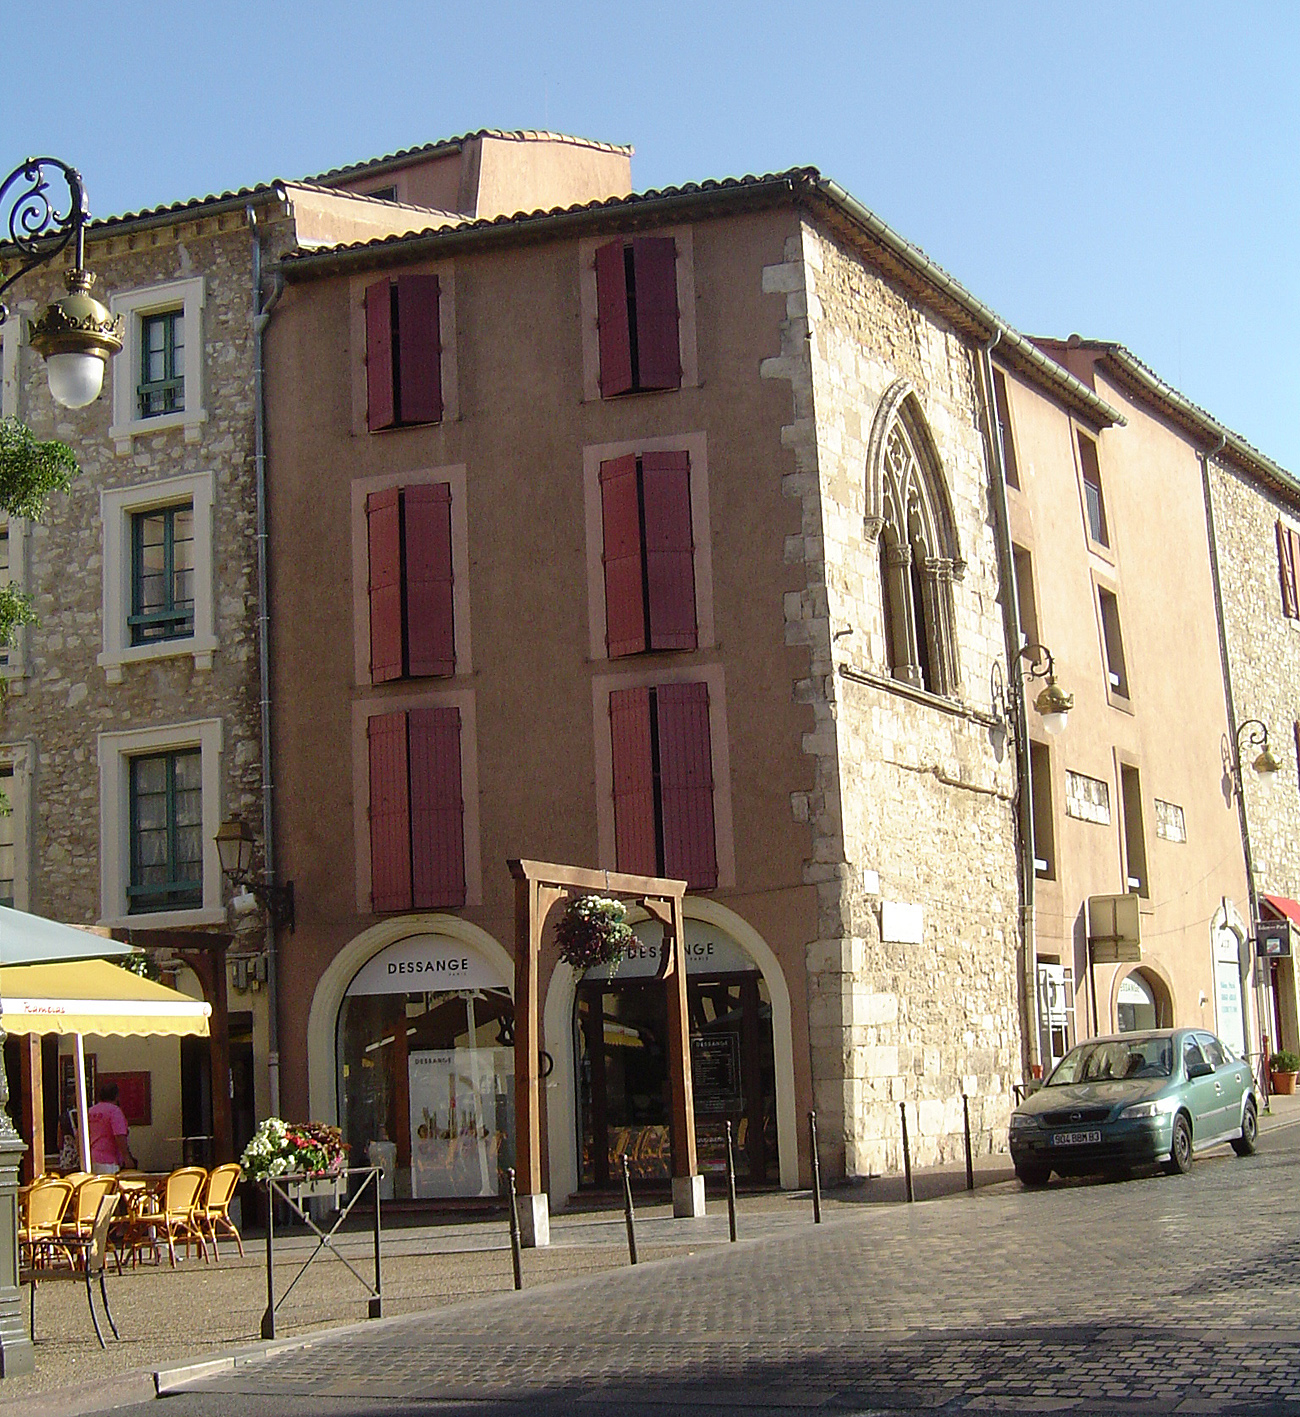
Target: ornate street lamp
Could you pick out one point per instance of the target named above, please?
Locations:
(76, 334)
(235, 844)
(1253, 733)
(1052, 703)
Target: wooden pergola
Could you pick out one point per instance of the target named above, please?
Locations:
(539, 886)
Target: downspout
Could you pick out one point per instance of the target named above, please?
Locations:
(1020, 726)
(1230, 704)
(261, 318)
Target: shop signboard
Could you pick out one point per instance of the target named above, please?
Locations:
(715, 1071)
(426, 964)
(1273, 939)
(708, 951)
(460, 1116)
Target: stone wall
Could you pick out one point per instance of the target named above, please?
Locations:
(913, 802)
(1264, 663)
(61, 699)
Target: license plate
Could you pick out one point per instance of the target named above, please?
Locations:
(1075, 1138)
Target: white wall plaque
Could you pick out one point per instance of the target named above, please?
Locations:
(901, 923)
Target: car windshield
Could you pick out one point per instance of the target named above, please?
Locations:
(1116, 1058)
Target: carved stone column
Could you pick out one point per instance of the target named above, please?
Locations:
(936, 590)
(902, 628)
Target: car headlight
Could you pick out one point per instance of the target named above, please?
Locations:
(1020, 1121)
(1159, 1108)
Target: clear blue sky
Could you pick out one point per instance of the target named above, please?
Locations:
(1128, 171)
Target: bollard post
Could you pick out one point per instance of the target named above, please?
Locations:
(907, 1153)
(816, 1170)
(731, 1187)
(376, 1307)
(514, 1230)
(629, 1215)
(268, 1318)
(965, 1119)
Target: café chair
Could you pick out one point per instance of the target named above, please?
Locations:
(90, 1252)
(174, 1212)
(213, 1211)
(38, 1228)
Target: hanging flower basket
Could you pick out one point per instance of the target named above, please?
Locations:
(593, 931)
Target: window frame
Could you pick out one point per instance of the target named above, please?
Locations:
(1084, 440)
(171, 384)
(175, 892)
(1043, 797)
(13, 658)
(1006, 431)
(188, 297)
(115, 751)
(139, 620)
(1118, 694)
(1133, 832)
(118, 507)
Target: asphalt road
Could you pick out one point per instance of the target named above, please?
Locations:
(1158, 1294)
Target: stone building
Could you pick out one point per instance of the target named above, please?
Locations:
(758, 383)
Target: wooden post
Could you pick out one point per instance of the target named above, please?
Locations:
(33, 1105)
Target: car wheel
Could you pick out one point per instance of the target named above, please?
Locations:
(1246, 1143)
(1180, 1150)
(1031, 1175)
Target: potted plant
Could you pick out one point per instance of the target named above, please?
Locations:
(592, 931)
(313, 1154)
(1282, 1068)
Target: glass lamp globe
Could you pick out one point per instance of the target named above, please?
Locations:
(75, 379)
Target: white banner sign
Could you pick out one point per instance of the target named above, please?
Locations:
(425, 964)
(708, 951)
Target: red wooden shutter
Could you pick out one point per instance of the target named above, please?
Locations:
(1294, 538)
(686, 784)
(654, 274)
(419, 351)
(390, 816)
(625, 629)
(611, 317)
(669, 549)
(634, 790)
(384, 531)
(381, 407)
(437, 809)
(430, 624)
(1287, 569)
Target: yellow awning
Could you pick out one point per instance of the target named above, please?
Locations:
(98, 998)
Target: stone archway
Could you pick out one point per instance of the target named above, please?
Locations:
(1147, 1002)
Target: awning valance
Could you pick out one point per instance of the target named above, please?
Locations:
(97, 998)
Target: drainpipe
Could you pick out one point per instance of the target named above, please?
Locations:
(1229, 703)
(261, 318)
(1020, 724)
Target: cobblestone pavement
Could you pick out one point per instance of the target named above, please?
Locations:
(1157, 1294)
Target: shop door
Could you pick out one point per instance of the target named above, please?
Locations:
(624, 1085)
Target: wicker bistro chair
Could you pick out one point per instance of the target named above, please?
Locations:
(91, 1253)
(38, 1230)
(176, 1214)
(213, 1210)
(84, 1205)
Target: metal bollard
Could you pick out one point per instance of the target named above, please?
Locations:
(816, 1170)
(629, 1215)
(514, 1230)
(965, 1118)
(731, 1187)
(907, 1153)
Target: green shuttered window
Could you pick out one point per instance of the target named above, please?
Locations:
(166, 792)
(162, 364)
(162, 574)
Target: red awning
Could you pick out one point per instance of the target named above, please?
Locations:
(1283, 908)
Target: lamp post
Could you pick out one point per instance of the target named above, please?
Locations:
(76, 335)
(1253, 733)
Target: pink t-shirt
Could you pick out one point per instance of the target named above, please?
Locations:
(107, 1122)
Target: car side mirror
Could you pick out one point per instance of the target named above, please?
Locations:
(1198, 1070)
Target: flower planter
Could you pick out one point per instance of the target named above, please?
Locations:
(333, 1188)
(1282, 1083)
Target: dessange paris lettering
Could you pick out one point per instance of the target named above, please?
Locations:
(455, 965)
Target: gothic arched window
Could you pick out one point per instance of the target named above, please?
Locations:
(910, 514)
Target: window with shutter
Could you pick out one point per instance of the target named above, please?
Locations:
(637, 315)
(1288, 545)
(417, 841)
(403, 352)
(412, 615)
(663, 783)
(649, 553)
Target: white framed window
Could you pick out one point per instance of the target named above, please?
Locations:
(158, 599)
(160, 806)
(158, 376)
(13, 567)
(17, 761)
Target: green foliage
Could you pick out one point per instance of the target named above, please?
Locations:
(138, 963)
(1284, 1062)
(30, 470)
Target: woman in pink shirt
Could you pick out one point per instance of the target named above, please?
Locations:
(108, 1129)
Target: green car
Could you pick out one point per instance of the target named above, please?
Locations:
(1135, 1099)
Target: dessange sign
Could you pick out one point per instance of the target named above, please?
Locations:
(425, 964)
(708, 951)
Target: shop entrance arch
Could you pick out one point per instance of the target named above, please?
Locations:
(1143, 1001)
